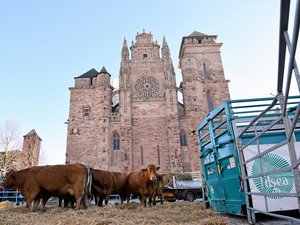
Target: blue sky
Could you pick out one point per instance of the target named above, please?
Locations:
(45, 44)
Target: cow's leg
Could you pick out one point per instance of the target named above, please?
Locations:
(30, 202)
(78, 195)
(72, 200)
(154, 195)
(154, 200)
(143, 199)
(127, 197)
(81, 198)
(31, 194)
(96, 198)
(60, 201)
(95, 193)
(44, 201)
(36, 202)
(151, 197)
(100, 202)
(78, 199)
(122, 197)
(107, 196)
(84, 201)
(66, 200)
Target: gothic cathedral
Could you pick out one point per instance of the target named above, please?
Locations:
(144, 121)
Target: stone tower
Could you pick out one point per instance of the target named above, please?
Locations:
(88, 139)
(203, 83)
(31, 149)
(143, 122)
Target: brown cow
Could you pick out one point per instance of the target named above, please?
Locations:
(141, 183)
(158, 189)
(104, 183)
(41, 182)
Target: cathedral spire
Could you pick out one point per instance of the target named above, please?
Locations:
(125, 51)
(165, 51)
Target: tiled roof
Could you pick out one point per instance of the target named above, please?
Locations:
(196, 34)
(32, 132)
(103, 70)
(89, 74)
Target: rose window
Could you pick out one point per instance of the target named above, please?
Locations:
(147, 87)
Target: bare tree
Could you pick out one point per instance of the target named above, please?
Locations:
(43, 157)
(9, 146)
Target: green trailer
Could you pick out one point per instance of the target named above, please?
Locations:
(248, 162)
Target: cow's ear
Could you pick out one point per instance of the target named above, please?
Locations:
(157, 168)
(145, 170)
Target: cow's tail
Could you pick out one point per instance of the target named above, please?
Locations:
(88, 185)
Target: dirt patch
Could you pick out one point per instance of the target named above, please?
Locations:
(133, 213)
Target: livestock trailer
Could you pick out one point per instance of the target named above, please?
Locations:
(250, 164)
(250, 149)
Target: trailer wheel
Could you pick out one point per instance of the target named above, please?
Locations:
(189, 196)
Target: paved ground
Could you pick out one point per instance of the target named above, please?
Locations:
(260, 220)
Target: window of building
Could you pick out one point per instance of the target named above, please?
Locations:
(74, 131)
(205, 74)
(209, 101)
(86, 111)
(126, 156)
(145, 56)
(142, 156)
(183, 138)
(158, 155)
(116, 141)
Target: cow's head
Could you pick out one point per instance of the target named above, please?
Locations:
(151, 172)
(9, 180)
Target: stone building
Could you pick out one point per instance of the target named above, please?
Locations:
(143, 121)
(27, 156)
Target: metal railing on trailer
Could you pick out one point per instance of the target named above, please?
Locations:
(267, 153)
(283, 119)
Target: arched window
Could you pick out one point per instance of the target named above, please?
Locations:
(116, 141)
(182, 138)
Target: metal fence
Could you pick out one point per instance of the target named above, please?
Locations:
(12, 195)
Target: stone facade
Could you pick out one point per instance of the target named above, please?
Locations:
(142, 121)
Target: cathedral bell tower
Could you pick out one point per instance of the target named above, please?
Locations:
(203, 82)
